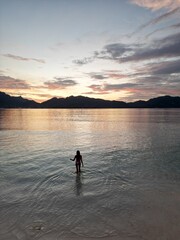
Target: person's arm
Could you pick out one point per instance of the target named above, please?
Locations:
(73, 158)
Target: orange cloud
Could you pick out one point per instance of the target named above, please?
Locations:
(157, 4)
(7, 82)
(116, 75)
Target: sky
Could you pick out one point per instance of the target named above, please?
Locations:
(111, 49)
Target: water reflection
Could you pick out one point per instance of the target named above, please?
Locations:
(78, 119)
(131, 164)
(79, 185)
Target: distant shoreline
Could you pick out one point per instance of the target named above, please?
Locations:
(81, 102)
(28, 108)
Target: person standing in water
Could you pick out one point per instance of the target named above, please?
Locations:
(79, 161)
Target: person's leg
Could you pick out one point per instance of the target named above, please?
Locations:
(77, 169)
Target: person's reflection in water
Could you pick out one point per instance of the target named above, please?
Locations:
(79, 185)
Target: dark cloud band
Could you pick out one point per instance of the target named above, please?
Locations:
(18, 58)
(60, 83)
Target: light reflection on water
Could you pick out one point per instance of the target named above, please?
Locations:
(129, 187)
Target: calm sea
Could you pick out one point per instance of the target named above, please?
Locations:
(129, 188)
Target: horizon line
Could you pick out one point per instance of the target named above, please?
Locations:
(88, 97)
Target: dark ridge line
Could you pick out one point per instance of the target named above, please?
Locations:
(7, 101)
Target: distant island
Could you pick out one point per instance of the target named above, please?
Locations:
(7, 101)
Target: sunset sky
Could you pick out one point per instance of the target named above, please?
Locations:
(111, 49)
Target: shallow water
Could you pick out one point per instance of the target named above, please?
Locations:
(129, 187)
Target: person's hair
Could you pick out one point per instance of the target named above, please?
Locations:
(78, 152)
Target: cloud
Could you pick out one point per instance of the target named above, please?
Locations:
(107, 74)
(167, 67)
(83, 61)
(156, 79)
(154, 82)
(109, 51)
(167, 47)
(164, 48)
(7, 82)
(115, 74)
(164, 16)
(18, 58)
(98, 76)
(174, 26)
(153, 79)
(116, 49)
(162, 74)
(157, 4)
(147, 93)
(168, 51)
(98, 89)
(148, 87)
(171, 39)
(106, 88)
(60, 83)
(158, 19)
(118, 87)
(2, 72)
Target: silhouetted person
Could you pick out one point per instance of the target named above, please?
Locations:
(78, 162)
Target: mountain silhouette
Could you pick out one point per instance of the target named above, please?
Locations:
(82, 102)
(159, 102)
(7, 101)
